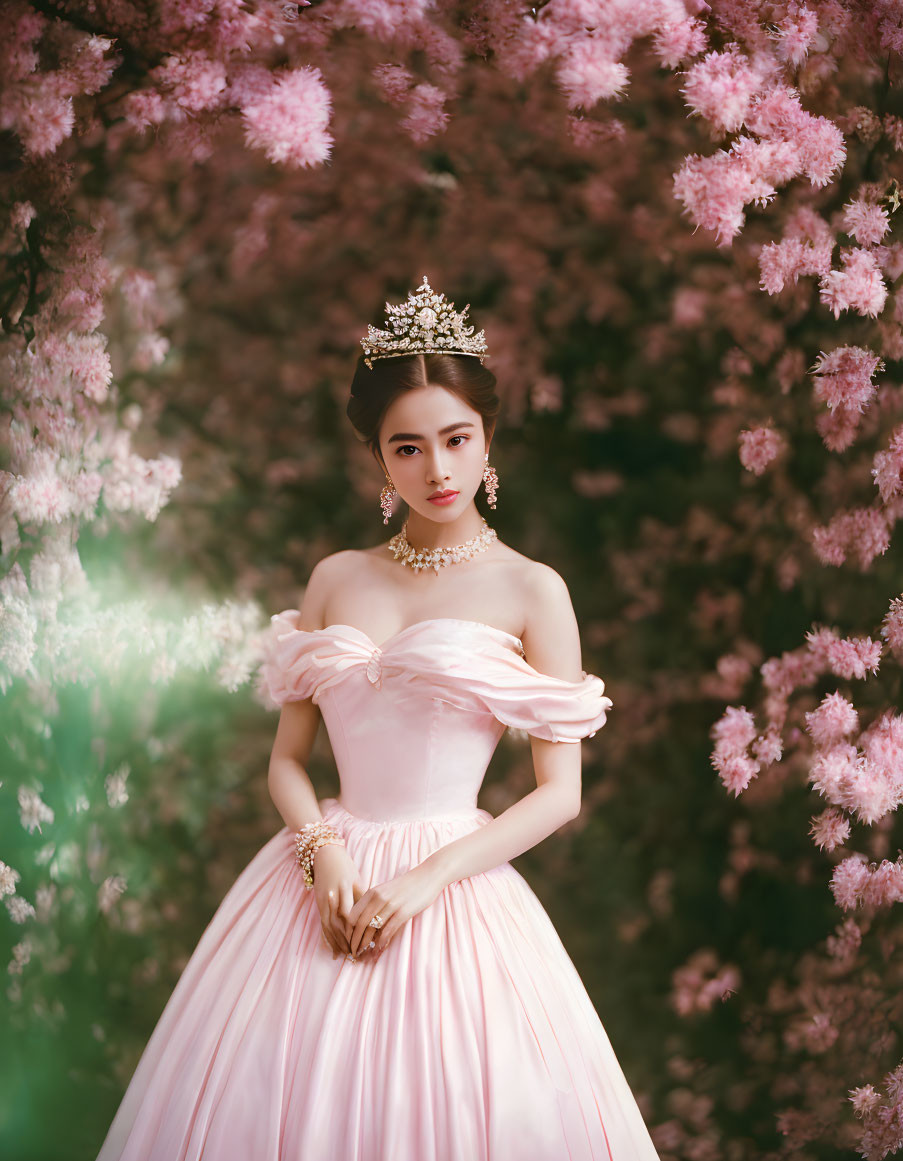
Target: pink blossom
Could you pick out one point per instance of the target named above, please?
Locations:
(22, 215)
(783, 262)
(892, 626)
(885, 885)
(720, 86)
(150, 351)
(846, 940)
(759, 447)
(849, 881)
(19, 909)
(39, 113)
(735, 729)
(8, 879)
(844, 377)
(778, 113)
(426, 115)
(882, 744)
(289, 123)
(834, 719)
(832, 768)
(702, 981)
(817, 142)
(677, 40)
(829, 829)
(893, 127)
(143, 108)
(22, 28)
(869, 793)
(796, 32)
(735, 770)
(588, 74)
(715, 189)
(887, 466)
(866, 222)
(381, 19)
(394, 81)
(768, 748)
(860, 532)
(41, 497)
(33, 810)
(838, 428)
(858, 286)
(848, 657)
(196, 81)
(818, 1033)
(864, 1099)
(793, 669)
(805, 249)
(822, 151)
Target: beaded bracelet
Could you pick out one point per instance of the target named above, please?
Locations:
(308, 840)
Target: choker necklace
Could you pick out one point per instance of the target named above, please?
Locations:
(437, 557)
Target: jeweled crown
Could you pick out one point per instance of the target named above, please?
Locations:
(424, 325)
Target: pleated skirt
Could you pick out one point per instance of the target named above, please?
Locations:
(470, 1038)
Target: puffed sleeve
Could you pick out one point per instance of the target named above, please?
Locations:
(480, 675)
(298, 664)
(546, 707)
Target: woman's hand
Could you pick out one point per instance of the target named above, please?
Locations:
(395, 901)
(337, 885)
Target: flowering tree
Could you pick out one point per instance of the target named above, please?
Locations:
(676, 223)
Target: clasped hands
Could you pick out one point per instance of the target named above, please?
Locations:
(346, 907)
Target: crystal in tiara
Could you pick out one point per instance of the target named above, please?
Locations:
(424, 325)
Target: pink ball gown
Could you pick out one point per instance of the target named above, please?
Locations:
(472, 1036)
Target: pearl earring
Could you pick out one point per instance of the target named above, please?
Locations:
(491, 480)
(385, 499)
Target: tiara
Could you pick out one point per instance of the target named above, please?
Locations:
(424, 325)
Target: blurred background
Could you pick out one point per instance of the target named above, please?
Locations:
(204, 205)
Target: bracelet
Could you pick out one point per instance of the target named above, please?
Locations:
(308, 840)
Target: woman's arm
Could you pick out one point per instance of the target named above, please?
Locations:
(288, 782)
(336, 880)
(551, 643)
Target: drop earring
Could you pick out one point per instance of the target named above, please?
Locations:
(385, 499)
(491, 480)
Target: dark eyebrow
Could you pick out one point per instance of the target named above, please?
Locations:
(406, 435)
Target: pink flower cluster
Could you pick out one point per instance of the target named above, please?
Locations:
(882, 1116)
(759, 447)
(858, 883)
(734, 733)
(702, 981)
(731, 91)
(843, 380)
(862, 533)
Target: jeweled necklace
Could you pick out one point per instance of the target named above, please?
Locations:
(437, 557)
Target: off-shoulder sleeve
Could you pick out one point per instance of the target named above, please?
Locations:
(297, 665)
(546, 707)
(481, 675)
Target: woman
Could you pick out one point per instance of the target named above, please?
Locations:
(448, 1023)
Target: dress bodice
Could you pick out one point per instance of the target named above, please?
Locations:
(414, 722)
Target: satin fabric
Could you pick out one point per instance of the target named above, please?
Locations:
(472, 1036)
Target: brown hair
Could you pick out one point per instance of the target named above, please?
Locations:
(372, 391)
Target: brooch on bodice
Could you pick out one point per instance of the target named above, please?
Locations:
(375, 667)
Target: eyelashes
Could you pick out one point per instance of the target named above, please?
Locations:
(407, 445)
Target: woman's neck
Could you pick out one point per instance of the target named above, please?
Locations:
(425, 533)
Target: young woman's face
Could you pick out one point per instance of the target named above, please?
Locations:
(432, 441)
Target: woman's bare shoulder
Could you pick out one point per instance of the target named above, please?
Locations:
(524, 568)
(329, 571)
(334, 563)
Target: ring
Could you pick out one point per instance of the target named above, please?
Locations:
(376, 921)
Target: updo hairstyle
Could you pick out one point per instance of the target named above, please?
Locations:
(373, 391)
